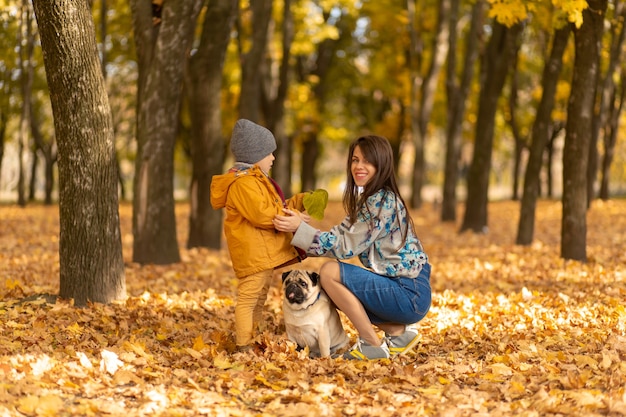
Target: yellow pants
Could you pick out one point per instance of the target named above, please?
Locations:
(251, 295)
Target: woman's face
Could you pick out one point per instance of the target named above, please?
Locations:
(362, 170)
(266, 163)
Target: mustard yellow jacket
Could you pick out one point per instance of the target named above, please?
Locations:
(251, 202)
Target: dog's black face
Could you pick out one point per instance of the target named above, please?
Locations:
(299, 285)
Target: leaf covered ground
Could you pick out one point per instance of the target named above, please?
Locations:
(512, 331)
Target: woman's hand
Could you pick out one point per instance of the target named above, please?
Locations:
(289, 222)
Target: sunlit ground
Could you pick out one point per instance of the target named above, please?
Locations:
(512, 331)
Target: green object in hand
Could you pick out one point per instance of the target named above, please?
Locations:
(315, 203)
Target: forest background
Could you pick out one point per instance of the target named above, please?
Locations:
(108, 100)
(480, 99)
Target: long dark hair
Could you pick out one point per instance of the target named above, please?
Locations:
(377, 151)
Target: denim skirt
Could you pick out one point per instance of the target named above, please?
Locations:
(386, 299)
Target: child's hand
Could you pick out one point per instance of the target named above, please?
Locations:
(305, 217)
(287, 223)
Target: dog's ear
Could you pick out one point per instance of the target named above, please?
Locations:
(285, 275)
(315, 277)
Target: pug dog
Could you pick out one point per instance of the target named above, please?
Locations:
(311, 318)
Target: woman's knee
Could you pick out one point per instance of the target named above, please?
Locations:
(329, 272)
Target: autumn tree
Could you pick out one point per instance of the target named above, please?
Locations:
(423, 86)
(316, 69)
(90, 247)
(496, 64)
(163, 33)
(207, 142)
(587, 40)
(609, 103)
(275, 86)
(26, 45)
(252, 47)
(540, 135)
(9, 25)
(457, 91)
(610, 135)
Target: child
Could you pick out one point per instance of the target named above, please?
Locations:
(252, 200)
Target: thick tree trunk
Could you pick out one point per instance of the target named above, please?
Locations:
(162, 49)
(207, 142)
(540, 137)
(497, 60)
(457, 98)
(90, 246)
(578, 132)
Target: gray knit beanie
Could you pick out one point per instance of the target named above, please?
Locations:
(250, 142)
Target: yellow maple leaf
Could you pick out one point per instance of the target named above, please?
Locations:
(221, 361)
(443, 380)
(137, 348)
(12, 284)
(75, 328)
(198, 343)
(276, 386)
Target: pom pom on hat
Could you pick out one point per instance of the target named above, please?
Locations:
(251, 142)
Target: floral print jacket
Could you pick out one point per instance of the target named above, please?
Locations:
(375, 237)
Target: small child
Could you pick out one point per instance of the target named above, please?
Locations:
(252, 199)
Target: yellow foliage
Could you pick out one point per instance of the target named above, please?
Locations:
(511, 12)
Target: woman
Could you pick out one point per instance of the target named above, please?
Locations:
(393, 290)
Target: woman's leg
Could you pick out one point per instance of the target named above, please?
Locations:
(346, 301)
(392, 329)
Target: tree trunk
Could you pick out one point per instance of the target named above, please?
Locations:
(540, 137)
(26, 42)
(423, 89)
(310, 152)
(3, 129)
(324, 57)
(49, 155)
(32, 183)
(252, 60)
(520, 140)
(161, 48)
(274, 105)
(457, 98)
(207, 142)
(90, 246)
(578, 132)
(5, 93)
(610, 139)
(500, 50)
(606, 96)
